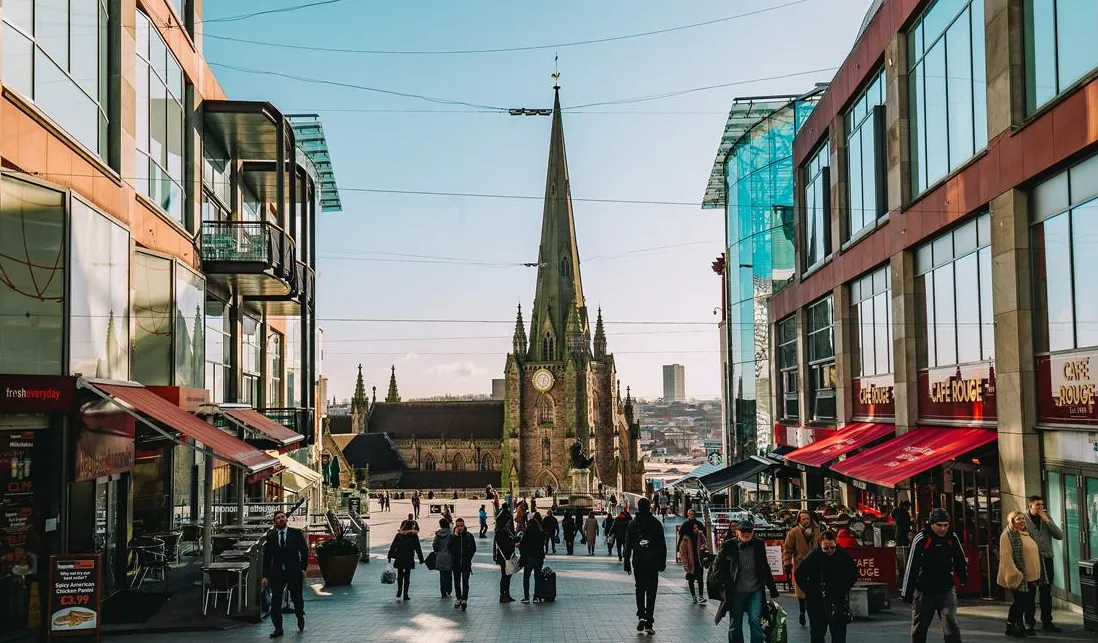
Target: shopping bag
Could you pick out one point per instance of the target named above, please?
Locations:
(774, 624)
(431, 562)
(388, 577)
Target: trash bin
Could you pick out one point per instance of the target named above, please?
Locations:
(1088, 588)
(364, 543)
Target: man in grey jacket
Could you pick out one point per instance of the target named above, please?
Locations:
(1043, 530)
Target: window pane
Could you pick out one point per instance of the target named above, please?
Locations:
(1052, 255)
(863, 352)
(152, 355)
(966, 275)
(1092, 514)
(64, 101)
(959, 82)
(99, 340)
(937, 116)
(1084, 232)
(871, 206)
(979, 75)
(141, 136)
(917, 125)
(944, 316)
(1076, 46)
(1055, 502)
(1071, 530)
(51, 28)
(19, 12)
(190, 346)
(987, 312)
(1040, 52)
(18, 61)
(174, 140)
(85, 45)
(855, 162)
(158, 122)
(927, 348)
(881, 333)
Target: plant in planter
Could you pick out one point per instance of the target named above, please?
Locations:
(337, 558)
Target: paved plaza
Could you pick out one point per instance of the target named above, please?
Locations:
(594, 603)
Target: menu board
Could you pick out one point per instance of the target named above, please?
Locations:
(16, 450)
(75, 595)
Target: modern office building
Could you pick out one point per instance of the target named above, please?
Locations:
(674, 383)
(941, 344)
(752, 183)
(157, 253)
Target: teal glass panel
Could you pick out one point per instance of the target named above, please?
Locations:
(1040, 23)
(1055, 507)
(1076, 45)
(1084, 238)
(1092, 516)
(936, 123)
(1071, 531)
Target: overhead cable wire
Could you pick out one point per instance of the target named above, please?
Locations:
(253, 14)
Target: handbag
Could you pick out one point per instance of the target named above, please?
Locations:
(388, 577)
(431, 562)
(510, 565)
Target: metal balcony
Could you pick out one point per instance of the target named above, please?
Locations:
(289, 305)
(295, 419)
(255, 258)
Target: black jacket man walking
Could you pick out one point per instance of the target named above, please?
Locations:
(645, 557)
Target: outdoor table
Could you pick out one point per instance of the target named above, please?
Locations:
(241, 571)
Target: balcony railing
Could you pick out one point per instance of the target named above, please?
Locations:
(249, 247)
(295, 419)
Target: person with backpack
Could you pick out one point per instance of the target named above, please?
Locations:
(936, 556)
(462, 547)
(645, 557)
(531, 559)
(747, 576)
(443, 562)
(825, 577)
(621, 530)
(402, 555)
(504, 549)
(568, 526)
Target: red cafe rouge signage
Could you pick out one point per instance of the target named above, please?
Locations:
(964, 393)
(874, 397)
(106, 443)
(1067, 388)
(36, 393)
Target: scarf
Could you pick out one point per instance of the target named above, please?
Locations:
(1019, 559)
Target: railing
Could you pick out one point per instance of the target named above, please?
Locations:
(306, 282)
(295, 419)
(249, 242)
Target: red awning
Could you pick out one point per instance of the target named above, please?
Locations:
(912, 453)
(223, 445)
(841, 442)
(254, 419)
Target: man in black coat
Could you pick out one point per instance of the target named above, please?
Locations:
(462, 546)
(936, 555)
(645, 557)
(826, 576)
(747, 579)
(550, 526)
(285, 559)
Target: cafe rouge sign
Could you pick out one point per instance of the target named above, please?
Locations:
(874, 398)
(1067, 388)
(958, 393)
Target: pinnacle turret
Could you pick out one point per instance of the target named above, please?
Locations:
(394, 395)
(358, 400)
(600, 337)
(519, 341)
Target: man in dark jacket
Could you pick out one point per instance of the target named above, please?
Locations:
(748, 577)
(936, 555)
(462, 546)
(826, 576)
(645, 557)
(285, 559)
(608, 532)
(550, 526)
(568, 527)
(621, 531)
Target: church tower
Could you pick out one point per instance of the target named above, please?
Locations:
(559, 388)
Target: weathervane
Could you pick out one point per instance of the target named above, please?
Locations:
(556, 71)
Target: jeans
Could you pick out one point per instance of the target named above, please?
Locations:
(751, 604)
(1022, 604)
(923, 609)
(1046, 599)
(461, 581)
(404, 578)
(532, 566)
(279, 582)
(415, 511)
(550, 542)
(504, 580)
(820, 622)
(647, 581)
(445, 582)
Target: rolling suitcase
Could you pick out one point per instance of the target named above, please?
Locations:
(548, 591)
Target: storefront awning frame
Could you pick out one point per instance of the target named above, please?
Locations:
(241, 415)
(720, 480)
(912, 453)
(854, 436)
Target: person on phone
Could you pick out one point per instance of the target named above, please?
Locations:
(285, 559)
(1043, 530)
(825, 576)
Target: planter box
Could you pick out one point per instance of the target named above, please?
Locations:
(337, 570)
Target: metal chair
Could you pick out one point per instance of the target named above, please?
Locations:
(219, 582)
(192, 537)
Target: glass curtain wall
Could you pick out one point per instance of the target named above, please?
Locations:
(33, 261)
(953, 296)
(159, 121)
(1065, 233)
(56, 54)
(759, 237)
(99, 309)
(294, 383)
(218, 350)
(871, 300)
(821, 361)
(817, 206)
(152, 354)
(1060, 46)
(866, 166)
(217, 193)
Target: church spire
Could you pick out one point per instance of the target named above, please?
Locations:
(519, 341)
(393, 395)
(559, 291)
(600, 337)
(359, 401)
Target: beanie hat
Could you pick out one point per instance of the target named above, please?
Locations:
(938, 515)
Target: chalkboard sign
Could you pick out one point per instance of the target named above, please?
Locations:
(75, 595)
(355, 505)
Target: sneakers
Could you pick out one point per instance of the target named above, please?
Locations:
(464, 604)
(702, 601)
(506, 599)
(693, 599)
(640, 625)
(648, 628)
(525, 600)
(457, 605)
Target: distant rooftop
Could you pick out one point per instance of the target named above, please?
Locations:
(309, 135)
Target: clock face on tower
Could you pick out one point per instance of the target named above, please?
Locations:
(543, 380)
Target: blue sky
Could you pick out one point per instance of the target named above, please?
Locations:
(640, 262)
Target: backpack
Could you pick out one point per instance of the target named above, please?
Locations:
(645, 551)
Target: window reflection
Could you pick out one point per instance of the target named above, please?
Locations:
(190, 346)
(865, 162)
(1060, 46)
(817, 207)
(99, 339)
(159, 121)
(152, 356)
(218, 349)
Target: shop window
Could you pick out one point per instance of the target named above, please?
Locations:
(33, 261)
(99, 336)
(56, 54)
(947, 88)
(817, 207)
(865, 158)
(871, 300)
(821, 360)
(159, 121)
(1060, 46)
(953, 296)
(787, 366)
(218, 349)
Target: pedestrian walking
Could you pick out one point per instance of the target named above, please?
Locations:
(402, 555)
(415, 523)
(645, 558)
(550, 528)
(800, 542)
(825, 576)
(503, 548)
(591, 532)
(462, 547)
(748, 576)
(568, 526)
(285, 559)
(415, 504)
(902, 516)
(1021, 570)
(1043, 530)
(608, 532)
(443, 561)
(693, 549)
(621, 530)
(936, 556)
(531, 559)
(482, 516)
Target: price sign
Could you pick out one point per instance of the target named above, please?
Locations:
(75, 595)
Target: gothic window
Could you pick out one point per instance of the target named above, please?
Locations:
(545, 410)
(429, 462)
(565, 267)
(459, 462)
(546, 450)
(548, 347)
(486, 462)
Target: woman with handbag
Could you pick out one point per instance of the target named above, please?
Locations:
(504, 552)
(440, 560)
(402, 555)
(1021, 569)
(693, 552)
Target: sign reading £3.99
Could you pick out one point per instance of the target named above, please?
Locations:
(75, 596)
(1067, 388)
